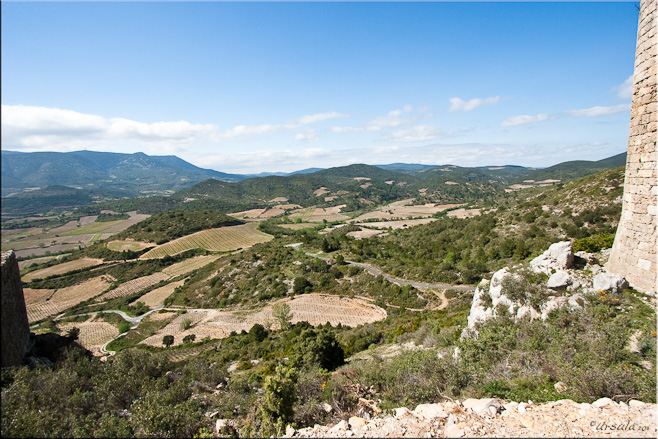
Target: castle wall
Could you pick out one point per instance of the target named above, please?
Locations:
(634, 251)
(14, 328)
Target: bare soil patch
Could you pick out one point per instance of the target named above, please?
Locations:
(87, 219)
(464, 213)
(278, 200)
(365, 233)
(32, 296)
(398, 224)
(402, 209)
(319, 192)
(361, 178)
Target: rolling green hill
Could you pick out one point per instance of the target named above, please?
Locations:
(574, 169)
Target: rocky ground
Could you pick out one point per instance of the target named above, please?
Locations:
(495, 418)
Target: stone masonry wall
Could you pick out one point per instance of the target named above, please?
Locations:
(634, 251)
(14, 328)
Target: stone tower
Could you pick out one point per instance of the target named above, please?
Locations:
(15, 331)
(634, 251)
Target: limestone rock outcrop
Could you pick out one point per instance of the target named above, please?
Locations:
(491, 417)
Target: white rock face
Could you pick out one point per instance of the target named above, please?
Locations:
(609, 282)
(559, 256)
(559, 279)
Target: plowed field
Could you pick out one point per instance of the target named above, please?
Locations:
(60, 300)
(222, 239)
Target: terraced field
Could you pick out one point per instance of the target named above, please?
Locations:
(317, 309)
(189, 265)
(134, 286)
(41, 304)
(154, 298)
(222, 239)
(92, 335)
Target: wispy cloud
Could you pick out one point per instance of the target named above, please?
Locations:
(392, 119)
(524, 120)
(457, 104)
(417, 133)
(318, 117)
(597, 111)
(625, 89)
(308, 136)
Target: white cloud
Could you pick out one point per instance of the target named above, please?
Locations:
(49, 128)
(318, 117)
(308, 136)
(457, 104)
(598, 111)
(390, 120)
(625, 89)
(524, 120)
(418, 133)
(39, 128)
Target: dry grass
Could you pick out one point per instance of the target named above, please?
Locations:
(317, 309)
(62, 268)
(154, 298)
(33, 296)
(128, 245)
(222, 239)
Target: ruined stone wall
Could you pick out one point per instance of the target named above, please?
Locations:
(14, 328)
(634, 251)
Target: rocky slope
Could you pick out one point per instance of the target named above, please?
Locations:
(495, 418)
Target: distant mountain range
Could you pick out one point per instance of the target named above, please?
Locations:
(130, 174)
(39, 182)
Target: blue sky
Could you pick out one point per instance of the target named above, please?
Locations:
(251, 87)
